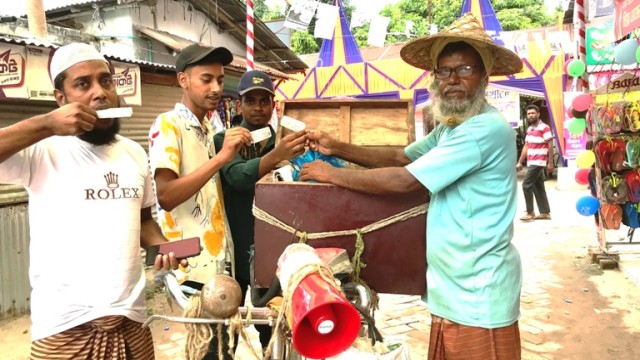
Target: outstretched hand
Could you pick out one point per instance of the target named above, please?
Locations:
(71, 119)
(291, 146)
(320, 141)
(234, 138)
(317, 170)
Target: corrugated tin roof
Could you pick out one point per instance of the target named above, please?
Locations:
(140, 62)
(239, 62)
(61, 4)
(34, 42)
(178, 43)
(231, 17)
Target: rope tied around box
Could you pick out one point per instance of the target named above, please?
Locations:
(356, 260)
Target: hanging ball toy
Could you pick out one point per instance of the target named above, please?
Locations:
(221, 296)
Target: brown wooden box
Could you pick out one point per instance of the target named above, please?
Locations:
(395, 255)
(356, 121)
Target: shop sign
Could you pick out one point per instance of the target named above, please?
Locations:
(127, 80)
(627, 17)
(39, 83)
(623, 83)
(507, 102)
(12, 71)
(573, 144)
(599, 43)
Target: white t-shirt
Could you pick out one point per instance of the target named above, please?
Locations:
(84, 214)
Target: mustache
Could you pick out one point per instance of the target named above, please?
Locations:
(454, 88)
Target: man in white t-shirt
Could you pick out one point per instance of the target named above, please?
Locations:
(90, 198)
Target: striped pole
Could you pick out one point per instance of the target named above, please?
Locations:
(250, 35)
(579, 34)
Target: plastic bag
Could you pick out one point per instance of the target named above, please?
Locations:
(312, 155)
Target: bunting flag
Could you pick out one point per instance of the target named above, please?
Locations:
(325, 21)
(483, 11)
(378, 31)
(342, 48)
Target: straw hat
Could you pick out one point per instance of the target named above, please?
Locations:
(419, 52)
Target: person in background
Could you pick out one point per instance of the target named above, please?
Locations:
(538, 151)
(475, 273)
(90, 198)
(250, 164)
(185, 165)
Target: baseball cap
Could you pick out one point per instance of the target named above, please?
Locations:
(253, 80)
(195, 53)
(68, 55)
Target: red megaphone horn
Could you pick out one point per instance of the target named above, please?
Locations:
(323, 322)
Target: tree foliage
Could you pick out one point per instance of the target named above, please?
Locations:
(512, 14)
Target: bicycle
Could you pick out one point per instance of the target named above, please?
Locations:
(282, 344)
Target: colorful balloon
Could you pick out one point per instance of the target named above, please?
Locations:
(578, 114)
(582, 102)
(576, 68)
(582, 176)
(587, 205)
(577, 126)
(585, 159)
(625, 52)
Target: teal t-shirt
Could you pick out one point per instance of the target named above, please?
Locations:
(474, 273)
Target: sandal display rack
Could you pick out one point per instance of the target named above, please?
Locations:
(615, 133)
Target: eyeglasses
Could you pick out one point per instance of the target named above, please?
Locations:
(462, 71)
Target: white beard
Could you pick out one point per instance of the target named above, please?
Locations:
(455, 112)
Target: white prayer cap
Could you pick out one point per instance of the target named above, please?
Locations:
(67, 56)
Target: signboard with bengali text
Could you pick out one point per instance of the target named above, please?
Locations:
(507, 102)
(627, 17)
(12, 71)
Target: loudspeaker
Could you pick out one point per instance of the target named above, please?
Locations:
(324, 323)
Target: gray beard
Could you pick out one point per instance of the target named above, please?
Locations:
(454, 112)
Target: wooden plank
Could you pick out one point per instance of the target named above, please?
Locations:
(345, 123)
(366, 122)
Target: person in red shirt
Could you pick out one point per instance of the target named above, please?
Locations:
(538, 150)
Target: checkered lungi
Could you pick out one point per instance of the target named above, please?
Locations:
(109, 337)
(453, 341)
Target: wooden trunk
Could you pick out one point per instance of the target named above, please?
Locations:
(395, 255)
(388, 123)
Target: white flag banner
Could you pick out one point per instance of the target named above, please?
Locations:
(358, 18)
(521, 43)
(408, 28)
(561, 40)
(326, 18)
(378, 31)
(300, 14)
(507, 40)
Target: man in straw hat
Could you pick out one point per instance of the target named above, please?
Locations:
(90, 198)
(467, 162)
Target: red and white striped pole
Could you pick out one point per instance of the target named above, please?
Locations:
(250, 35)
(579, 30)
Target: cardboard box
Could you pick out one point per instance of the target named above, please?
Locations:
(395, 255)
(388, 123)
